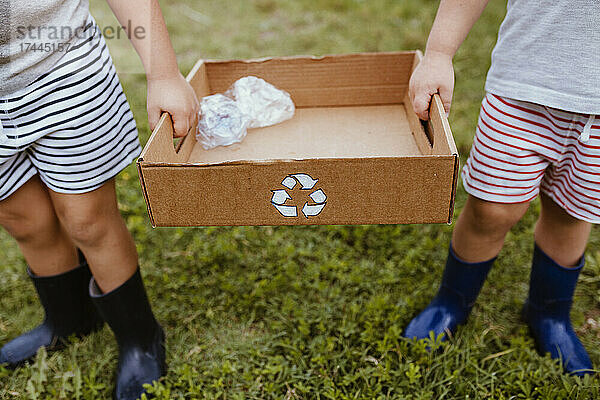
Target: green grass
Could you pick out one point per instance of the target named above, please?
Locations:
(309, 312)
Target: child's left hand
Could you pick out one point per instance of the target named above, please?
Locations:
(175, 96)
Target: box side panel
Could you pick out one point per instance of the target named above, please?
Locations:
(159, 146)
(144, 192)
(443, 141)
(349, 191)
(454, 183)
(198, 79)
(355, 79)
(417, 127)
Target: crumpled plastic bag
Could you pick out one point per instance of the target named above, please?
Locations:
(222, 122)
(250, 102)
(262, 102)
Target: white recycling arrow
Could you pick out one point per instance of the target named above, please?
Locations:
(286, 211)
(318, 196)
(280, 196)
(305, 181)
(289, 182)
(310, 210)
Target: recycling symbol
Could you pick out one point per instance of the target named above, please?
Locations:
(306, 182)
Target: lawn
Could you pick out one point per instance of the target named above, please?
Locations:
(309, 312)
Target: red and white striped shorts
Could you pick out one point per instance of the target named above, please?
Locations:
(521, 148)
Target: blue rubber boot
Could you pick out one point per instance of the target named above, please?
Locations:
(140, 338)
(460, 286)
(546, 311)
(69, 311)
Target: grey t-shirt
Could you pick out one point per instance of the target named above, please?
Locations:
(34, 35)
(548, 52)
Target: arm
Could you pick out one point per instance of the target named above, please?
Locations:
(435, 73)
(168, 91)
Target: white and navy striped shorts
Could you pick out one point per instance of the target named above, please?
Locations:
(72, 126)
(521, 148)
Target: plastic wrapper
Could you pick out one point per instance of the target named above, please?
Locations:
(222, 123)
(262, 102)
(250, 102)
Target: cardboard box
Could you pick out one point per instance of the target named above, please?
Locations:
(354, 153)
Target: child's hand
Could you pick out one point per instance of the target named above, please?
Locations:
(176, 97)
(434, 74)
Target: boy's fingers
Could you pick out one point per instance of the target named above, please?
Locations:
(181, 126)
(421, 105)
(153, 117)
(193, 118)
(446, 96)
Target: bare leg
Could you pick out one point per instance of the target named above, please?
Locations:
(94, 223)
(561, 236)
(482, 226)
(28, 216)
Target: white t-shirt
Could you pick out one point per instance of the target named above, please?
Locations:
(34, 35)
(548, 52)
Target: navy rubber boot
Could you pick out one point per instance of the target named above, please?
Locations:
(69, 311)
(546, 312)
(140, 338)
(450, 308)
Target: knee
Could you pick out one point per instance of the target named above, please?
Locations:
(85, 227)
(494, 219)
(554, 215)
(37, 224)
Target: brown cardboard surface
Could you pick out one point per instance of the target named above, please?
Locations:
(329, 132)
(341, 80)
(359, 191)
(355, 152)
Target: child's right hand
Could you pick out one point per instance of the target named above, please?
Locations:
(434, 74)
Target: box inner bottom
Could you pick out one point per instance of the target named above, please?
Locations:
(323, 132)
